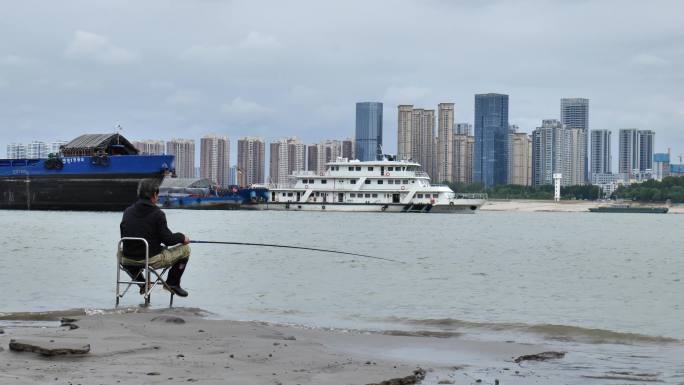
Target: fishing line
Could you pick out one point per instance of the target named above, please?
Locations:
(296, 247)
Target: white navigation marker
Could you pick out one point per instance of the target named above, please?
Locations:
(557, 186)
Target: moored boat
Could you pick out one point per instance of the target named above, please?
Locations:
(383, 186)
(623, 208)
(92, 172)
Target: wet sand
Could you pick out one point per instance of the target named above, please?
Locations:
(182, 345)
(529, 205)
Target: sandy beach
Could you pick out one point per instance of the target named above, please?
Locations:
(529, 205)
(181, 345)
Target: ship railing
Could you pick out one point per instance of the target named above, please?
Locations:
(306, 173)
(470, 196)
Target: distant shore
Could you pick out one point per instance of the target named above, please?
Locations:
(531, 205)
(181, 346)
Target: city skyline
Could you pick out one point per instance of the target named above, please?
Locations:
(256, 75)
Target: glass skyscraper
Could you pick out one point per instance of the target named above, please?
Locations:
(368, 130)
(490, 163)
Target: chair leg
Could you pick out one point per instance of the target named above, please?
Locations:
(171, 301)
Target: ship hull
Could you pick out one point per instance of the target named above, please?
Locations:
(640, 210)
(104, 192)
(463, 207)
(77, 183)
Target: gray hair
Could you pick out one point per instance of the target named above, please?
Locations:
(147, 188)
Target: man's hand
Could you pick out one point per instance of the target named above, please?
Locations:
(186, 240)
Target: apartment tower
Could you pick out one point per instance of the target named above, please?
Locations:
(183, 151)
(215, 159)
(250, 161)
(445, 141)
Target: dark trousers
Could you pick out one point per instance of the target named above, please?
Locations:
(137, 272)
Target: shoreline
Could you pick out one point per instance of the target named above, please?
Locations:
(182, 345)
(531, 205)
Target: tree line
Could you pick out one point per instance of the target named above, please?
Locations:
(670, 188)
(512, 191)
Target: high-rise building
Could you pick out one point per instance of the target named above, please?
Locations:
(547, 143)
(55, 147)
(286, 157)
(635, 151)
(232, 175)
(628, 151)
(251, 161)
(520, 159)
(557, 149)
(348, 149)
(575, 114)
(368, 130)
(149, 147)
(215, 159)
(312, 157)
(184, 152)
(661, 165)
(36, 150)
(462, 165)
(646, 138)
(424, 142)
(490, 163)
(574, 146)
(600, 152)
(463, 129)
(16, 151)
(404, 132)
(445, 141)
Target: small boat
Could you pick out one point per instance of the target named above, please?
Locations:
(371, 186)
(623, 208)
(202, 194)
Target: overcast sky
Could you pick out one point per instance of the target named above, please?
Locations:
(184, 68)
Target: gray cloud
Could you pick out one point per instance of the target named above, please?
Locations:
(167, 69)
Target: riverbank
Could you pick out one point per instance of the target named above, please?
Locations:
(181, 345)
(530, 205)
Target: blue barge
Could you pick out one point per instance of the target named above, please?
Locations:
(202, 194)
(92, 172)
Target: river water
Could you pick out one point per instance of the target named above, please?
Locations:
(609, 281)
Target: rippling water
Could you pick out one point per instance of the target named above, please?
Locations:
(561, 276)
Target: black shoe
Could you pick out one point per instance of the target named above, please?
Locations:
(177, 290)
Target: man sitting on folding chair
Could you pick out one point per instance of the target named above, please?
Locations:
(145, 220)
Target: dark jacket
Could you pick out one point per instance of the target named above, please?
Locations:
(144, 219)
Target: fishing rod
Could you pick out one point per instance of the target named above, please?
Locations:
(295, 247)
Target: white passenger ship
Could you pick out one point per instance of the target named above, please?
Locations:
(352, 185)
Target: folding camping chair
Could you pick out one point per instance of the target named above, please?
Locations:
(152, 276)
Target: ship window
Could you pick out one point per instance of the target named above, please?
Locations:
(367, 195)
(375, 195)
(390, 168)
(370, 168)
(435, 195)
(368, 181)
(380, 181)
(419, 195)
(289, 194)
(413, 181)
(352, 181)
(284, 194)
(352, 195)
(358, 168)
(340, 181)
(350, 168)
(390, 181)
(324, 181)
(317, 194)
(405, 181)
